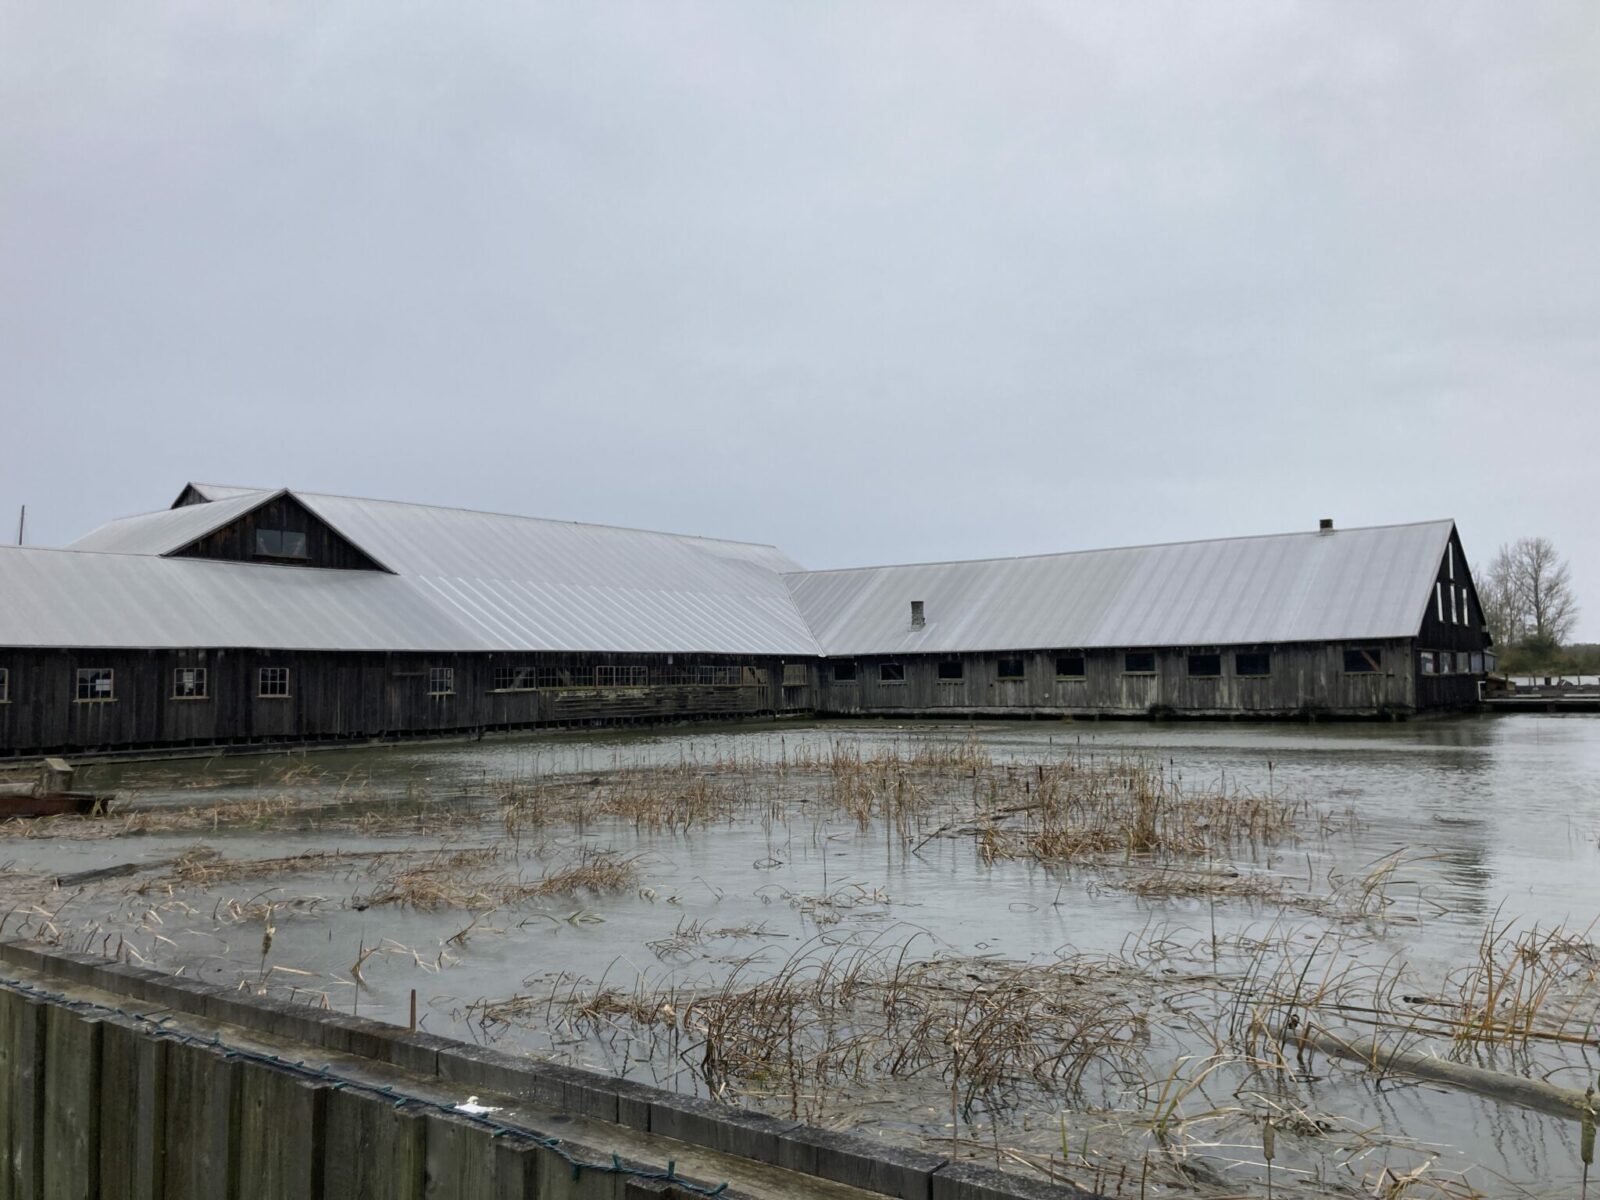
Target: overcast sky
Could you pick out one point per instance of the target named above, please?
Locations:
(872, 281)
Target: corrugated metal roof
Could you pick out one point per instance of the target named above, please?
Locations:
(1351, 583)
(525, 583)
(486, 581)
(80, 598)
(170, 528)
(223, 491)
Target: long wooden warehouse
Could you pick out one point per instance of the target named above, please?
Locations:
(242, 616)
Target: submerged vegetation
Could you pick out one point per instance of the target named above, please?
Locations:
(1205, 1053)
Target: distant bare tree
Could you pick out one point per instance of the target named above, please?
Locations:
(1544, 590)
(1497, 593)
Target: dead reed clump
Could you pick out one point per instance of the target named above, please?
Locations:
(833, 1017)
(451, 880)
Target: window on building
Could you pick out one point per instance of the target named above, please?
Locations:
(1455, 608)
(952, 670)
(1366, 660)
(1466, 618)
(622, 677)
(96, 683)
(1139, 662)
(1451, 554)
(5, 684)
(1463, 663)
(1430, 663)
(280, 543)
(843, 672)
(718, 676)
(891, 672)
(189, 683)
(1205, 665)
(794, 674)
(1252, 663)
(1012, 668)
(441, 681)
(1438, 600)
(1069, 666)
(519, 679)
(1476, 663)
(273, 683)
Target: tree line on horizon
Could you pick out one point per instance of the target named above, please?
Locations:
(1529, 606)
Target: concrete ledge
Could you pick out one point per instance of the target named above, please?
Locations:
(847, 1158)
(719, 1126)
(969, 1181)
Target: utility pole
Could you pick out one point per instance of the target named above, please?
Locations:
(22, 523)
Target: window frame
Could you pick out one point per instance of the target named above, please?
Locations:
(622, 676)
(262, 680)
(1375, 666)
(1240, 673)
(1188, 664)
(204, 678)
(945, 664)
(795, 675)
(852, 678)
(281, 554)
(523, 679)
(1083, 664)
(899, 669)
(1020, 675)
(87, 675)
(5, 685)
(445, 674)
(1127, 660)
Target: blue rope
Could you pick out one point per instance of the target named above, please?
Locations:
(159, 1027)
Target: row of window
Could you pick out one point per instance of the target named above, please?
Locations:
(1247, 664)
(91, 684)
(192, 683)
(1454, 662)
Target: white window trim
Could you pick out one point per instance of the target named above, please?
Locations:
(205, 684)
(109, 698)
(261, 682)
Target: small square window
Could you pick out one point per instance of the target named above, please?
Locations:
(273, 683)
(1069, 666)
(952, 670)
(891, 673)
(843, 672)
(189, 683)
(1012, 668)
(1430, 663)
(1252, 663)
(1366, 660)
(1205, 665)
(441, 681)
(1139, 662)
(96, 683)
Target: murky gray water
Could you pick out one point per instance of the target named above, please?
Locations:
(1497, 819)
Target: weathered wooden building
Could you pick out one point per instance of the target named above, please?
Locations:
(242, 616)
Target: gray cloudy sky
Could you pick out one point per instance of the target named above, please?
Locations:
(873, 281)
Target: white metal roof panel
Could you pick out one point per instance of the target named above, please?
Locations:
(1350, 583)
(80, 598)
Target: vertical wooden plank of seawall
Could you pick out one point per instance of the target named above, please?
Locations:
(460, 1160)
(200, 1133)
(10, 1087)
(373, 1150)
(557, 1181)
(281, 1126)
(25, 1162)
(132, 1078)
(71, 1106)
(516, 1169)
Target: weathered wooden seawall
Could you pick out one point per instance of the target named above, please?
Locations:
(118, 1081)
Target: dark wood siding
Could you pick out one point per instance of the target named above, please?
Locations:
(333, 696)
(325, 546)
(1457, 631)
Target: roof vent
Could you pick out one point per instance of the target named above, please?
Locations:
(917, 618)
(1325, 525)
